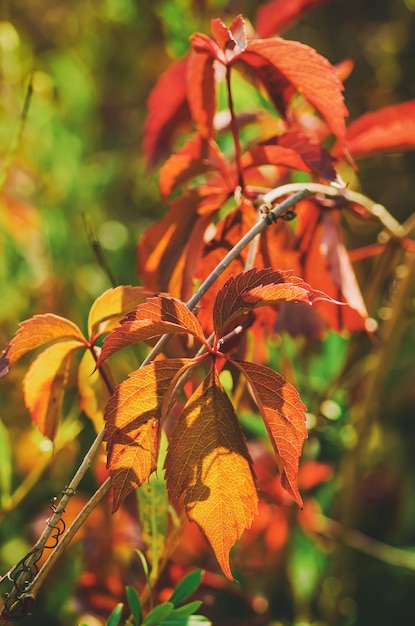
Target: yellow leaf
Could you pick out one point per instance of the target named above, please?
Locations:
(93, 392)
(113, 304)
(208, 469)
(44, 385)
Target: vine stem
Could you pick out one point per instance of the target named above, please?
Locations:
(32, 589)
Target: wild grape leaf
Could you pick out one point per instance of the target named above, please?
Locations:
(388, 130)
(132, 424)
(44, 385)
(201, 92)
(284, 416)
(197, 156)
(173, 245)
(93, 393)
(326, 266)
(230, 301)
(37, 331)
(208, 469)
(154, 318)
(295, 150)
(307, 71)
(279, 15)
(288, 289)
(114, 304)
(168, 108)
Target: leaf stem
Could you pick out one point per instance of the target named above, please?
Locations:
(234, 128)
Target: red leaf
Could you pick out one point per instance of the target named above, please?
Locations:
(168, 107)
(308, 72)
(37, 331)
(295, 150)
(284, 417)
(44, 385)
(154, 318)
(196, 157)
(208, 469)
(132, 424)
(279, 15)
(230, 38)
(391, 129)
(201, 92)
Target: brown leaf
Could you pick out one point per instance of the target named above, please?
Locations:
(284, 417)
(208, 469)
(132, 424)
(44, 385)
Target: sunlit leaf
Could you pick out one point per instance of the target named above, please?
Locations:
(37, 331)
(308, 72)
(201, 92)
(152, 319)
(284, 417)
(114, 618)
(132, 425)
(114, 303)
(93, 392)
(44, 385)
(208, 469)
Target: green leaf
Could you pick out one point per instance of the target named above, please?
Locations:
(191, 620)
(186, 587)
(114, 618)
(159, 614)
(134, 605)
(188, 609)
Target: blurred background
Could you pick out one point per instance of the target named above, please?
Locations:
(73, 172)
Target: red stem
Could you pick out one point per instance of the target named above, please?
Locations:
(235, 134)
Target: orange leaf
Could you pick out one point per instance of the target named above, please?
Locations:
(154, 318)
(92, 390)
(308, 72)
(38, 330)
(132, 424)
(284, 417)
(201, 92)
(114, 303)
(44, 385)
(208, 469)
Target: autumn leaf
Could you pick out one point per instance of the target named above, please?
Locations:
(284, 417)
(279, 15)
(114, 304)
(388, 130)
(197, 156)
(307, 71)
(44, 385)
(154, 318)
(132, 424)
(201, 92)
(295, 150)
(93, 393)
(39, 330)
(168, 108)
(208, 469)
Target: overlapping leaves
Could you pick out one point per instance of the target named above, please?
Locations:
(208, 467)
